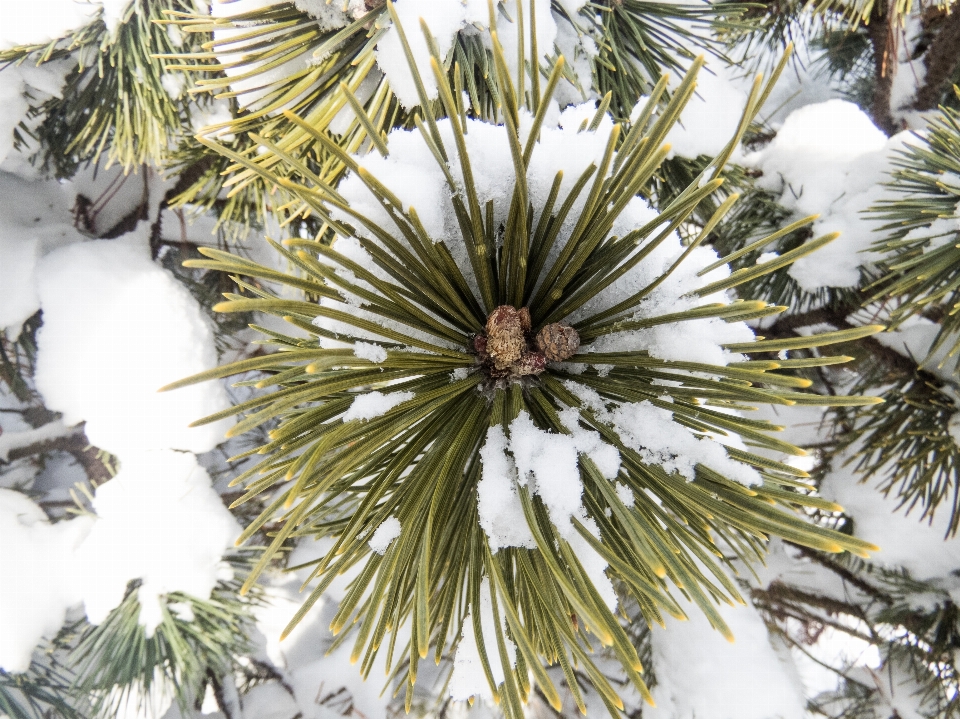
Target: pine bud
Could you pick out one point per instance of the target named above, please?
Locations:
(525, 322)
(505, 340)
(531, 363)
(558, 342)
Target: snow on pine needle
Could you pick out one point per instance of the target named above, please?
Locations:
(324, 60)
(519, 398)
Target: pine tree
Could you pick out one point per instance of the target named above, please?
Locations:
(498, 369)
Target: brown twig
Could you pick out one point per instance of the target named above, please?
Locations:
(883, 41)
(844, 573)
(77, 445)
(941, 60)
(890, 358)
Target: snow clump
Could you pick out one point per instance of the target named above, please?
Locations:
(116, 328)
(375, 404)
(369, 351)
(158, 520)
(384, 535)
(40, 576)
(29, 22)
(905, 540)
(712, 115)
(830, 159)
(700, 674)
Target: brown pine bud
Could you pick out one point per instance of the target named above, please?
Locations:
(558, 342)
(480, 345)
(525, 322)
(531, 363)
(505, 341)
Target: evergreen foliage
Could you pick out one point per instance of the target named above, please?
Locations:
(42, 691)
(114, 100)
(306, 103)
(921, 233)
(345, 478)
(117, 663)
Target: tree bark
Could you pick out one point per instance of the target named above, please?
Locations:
(941, 60)
(883, 42)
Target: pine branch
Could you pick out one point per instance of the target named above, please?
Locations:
(78, 446)
(845, 573)
(786, 326)
(785, 601)
(883, 40)
(941, 60)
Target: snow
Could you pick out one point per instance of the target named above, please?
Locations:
(158, 520)
(804, 81)
(18, 297)
(953, 427)
(904, 539)
(700, 675)
(913, 338)
(658, 439)
(605, 456)
(270, 701)
(38, 576)
(369, 351)
(37, 214)
(117, 327)
(578, 50)
(302, 657)
(498, 503)
(114, 12)
(35, 219)
(829, 159)
(12, 96)
(508, 33)
(468, 678)
(15, 440)
(899, 694)
(547, 464)
(374, 404)
(206, 116)
(444, 20)
(712, 115)
(331, 14)
(28, 22)
(384, 535)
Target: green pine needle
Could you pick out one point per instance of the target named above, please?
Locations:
(419, 461)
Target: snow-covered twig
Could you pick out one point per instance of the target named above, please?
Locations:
(32, 439)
